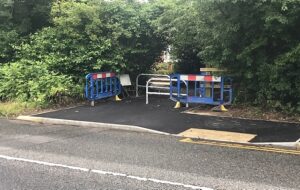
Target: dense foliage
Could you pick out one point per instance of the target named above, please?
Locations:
(59, 41)
(81, 37)
(257, 42)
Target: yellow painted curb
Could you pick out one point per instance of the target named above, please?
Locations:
(240, 146)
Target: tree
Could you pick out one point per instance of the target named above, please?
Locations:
(250, 39)
(17, 20)
(255, 41)
(178, 24)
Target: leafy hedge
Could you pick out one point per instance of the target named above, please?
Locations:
(26, 80)
(54, 44)
(257, 42)
(83, 37)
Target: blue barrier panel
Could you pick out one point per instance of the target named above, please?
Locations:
(101, 85)
(204, 89)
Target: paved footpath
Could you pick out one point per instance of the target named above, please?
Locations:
(161, 116)
(35, 156)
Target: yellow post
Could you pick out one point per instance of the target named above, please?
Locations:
(178, 105)
(220, 108)
(223, 109)
(117, 99)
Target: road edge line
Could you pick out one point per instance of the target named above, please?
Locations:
(101, 172)
(242, 146)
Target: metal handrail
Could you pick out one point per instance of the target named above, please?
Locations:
(137, 85)
(160, 87)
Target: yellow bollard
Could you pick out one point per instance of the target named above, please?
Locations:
(117, 99)
(223, 109)
(220, 108)
(178, 105)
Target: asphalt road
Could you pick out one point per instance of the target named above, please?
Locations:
(34, 156)
(161, 116)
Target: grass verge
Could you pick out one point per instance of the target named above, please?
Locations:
(13, 109)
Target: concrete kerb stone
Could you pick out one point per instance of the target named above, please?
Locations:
(87, 124)
(298, 144)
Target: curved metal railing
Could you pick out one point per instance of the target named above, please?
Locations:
(137, 85)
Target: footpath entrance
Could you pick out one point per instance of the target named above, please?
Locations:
(161, 116)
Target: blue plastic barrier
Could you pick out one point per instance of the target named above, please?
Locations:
(203, 89)
(101, 85)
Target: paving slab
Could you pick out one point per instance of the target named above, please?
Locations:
(160, 115)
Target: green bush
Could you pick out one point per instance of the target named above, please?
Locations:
(95, 36)
(7, 40)
(82, 37)
(257, 42)
(32, 81)
(47, 47)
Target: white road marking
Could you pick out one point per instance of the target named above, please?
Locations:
(102, 172)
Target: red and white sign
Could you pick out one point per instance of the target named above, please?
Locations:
(102, 75)
(207, 78)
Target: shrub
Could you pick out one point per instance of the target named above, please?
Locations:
(32, 81)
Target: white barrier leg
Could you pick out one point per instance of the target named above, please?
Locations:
(147, 101)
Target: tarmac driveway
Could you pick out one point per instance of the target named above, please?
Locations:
(160, 115)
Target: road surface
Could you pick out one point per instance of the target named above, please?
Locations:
(160, 115)
(35, 156)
